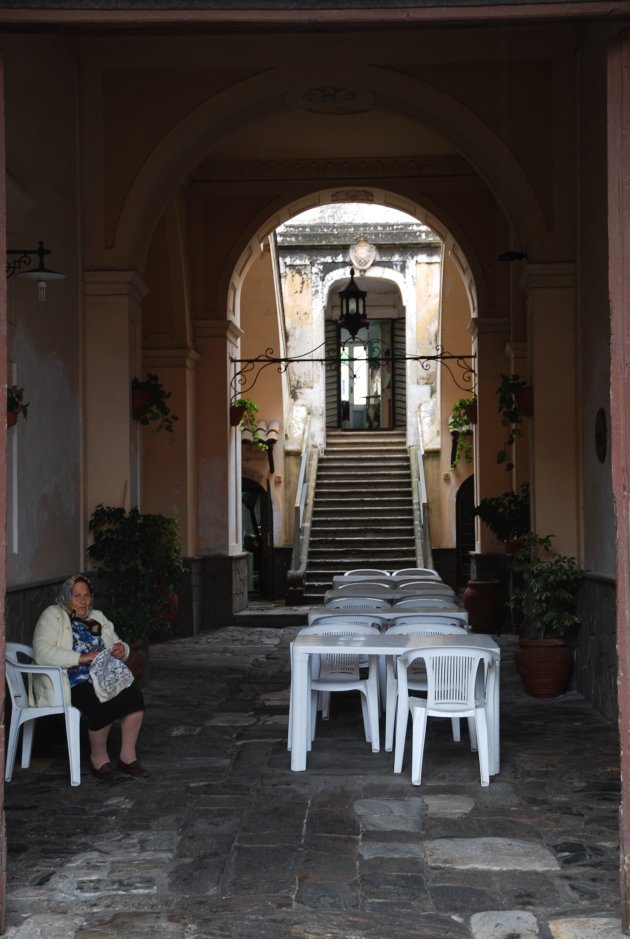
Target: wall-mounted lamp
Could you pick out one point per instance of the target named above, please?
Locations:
(352, 316)
(513, 256)
(41, 274)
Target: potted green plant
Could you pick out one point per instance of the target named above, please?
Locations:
(15, 405)
(243, 414)
(507, 516)
(511, 415)
(140, 559)
(463, 416)
(149, 403)
(545, 592)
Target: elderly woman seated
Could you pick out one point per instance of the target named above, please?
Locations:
(70, 634)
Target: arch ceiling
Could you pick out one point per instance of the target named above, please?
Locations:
(254, 121)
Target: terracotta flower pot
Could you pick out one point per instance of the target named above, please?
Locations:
(484, 604)
(544, 666)
(12, 417)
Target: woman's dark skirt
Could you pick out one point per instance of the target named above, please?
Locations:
(100, 714)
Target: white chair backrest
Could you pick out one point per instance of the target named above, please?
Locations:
(356, 619)
(327, 663)
(358, 587)
(428, 587)
(425, 629)
(417, 571)
(452, 677)
(16, 654)
(337, 628)
(357, 603)
(366, 572)
(456, 617)
(427, 602)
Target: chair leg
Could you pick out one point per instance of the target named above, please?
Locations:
(390, 710)
(324, 702)
(402, 713)
(457, 733)
(483, 747)
(374, 709)
(313, 717)
(14, 733)
(417, 748)
(73, 726)
(472, 733)
(28, 732)
(367, 723)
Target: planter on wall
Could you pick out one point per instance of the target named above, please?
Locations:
(12, 417)
(524, 397)
(470, 410)
(236, 414)
(140, 400)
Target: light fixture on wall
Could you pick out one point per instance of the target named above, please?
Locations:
(22, 257)
(352, 316)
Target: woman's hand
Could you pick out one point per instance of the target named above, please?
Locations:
(117, 650)
(86, 658)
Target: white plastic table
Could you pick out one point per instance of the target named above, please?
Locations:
(303, 647)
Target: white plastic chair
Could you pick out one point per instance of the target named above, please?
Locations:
(348, 616)
(417, 572)
(358, 587)
(427, 588)
(332, 672)
(455, 617)
(416, 673)
(433, 602)
(457, 681)
(358, 619)
(366, 572)
(357, 603)
(24, 715)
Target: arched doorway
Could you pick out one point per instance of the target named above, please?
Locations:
(257, 536)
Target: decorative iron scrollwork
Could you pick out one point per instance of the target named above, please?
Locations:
(460, 367)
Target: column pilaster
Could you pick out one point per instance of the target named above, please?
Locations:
(112, 342)
(554, 457)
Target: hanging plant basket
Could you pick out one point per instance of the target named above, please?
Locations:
(149, 403)
(140, 401)
(470, 411)
(236, 414)
(524, 397)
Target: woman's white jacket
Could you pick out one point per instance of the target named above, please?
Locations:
(52, 645)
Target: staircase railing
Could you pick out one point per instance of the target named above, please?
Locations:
(424, 554)
(303, 517)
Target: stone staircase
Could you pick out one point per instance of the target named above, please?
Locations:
(363, 508)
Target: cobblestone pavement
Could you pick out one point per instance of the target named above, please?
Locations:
(225, 841)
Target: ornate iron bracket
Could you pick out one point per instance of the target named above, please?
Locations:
(245, 377)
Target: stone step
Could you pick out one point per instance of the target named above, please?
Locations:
(322, 542)
(325, 526)
(364, 489)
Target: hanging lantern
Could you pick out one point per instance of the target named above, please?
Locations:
(352, 299)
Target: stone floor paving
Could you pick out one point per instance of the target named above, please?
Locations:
(225, 841)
